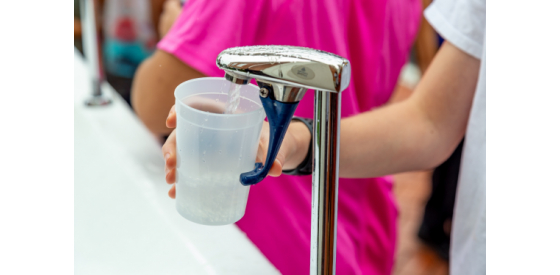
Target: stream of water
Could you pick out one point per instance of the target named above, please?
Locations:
(233, 98)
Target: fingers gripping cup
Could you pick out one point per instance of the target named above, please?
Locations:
(214, 148)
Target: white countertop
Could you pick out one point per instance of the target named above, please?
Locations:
(124, 222)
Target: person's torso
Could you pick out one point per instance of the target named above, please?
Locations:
(468, 247)
(129, 36)
(463, 23)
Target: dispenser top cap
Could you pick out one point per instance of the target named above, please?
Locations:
(288, 65)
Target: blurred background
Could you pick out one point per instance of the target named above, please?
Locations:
(129, 31)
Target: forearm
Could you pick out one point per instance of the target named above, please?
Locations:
(418, 133)
(388, 140)
(153, 87)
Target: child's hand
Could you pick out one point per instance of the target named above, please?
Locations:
(292, 152)
(169, 151)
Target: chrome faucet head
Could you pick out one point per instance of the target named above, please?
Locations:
(289, 70)
(237, 79)
(284, 73)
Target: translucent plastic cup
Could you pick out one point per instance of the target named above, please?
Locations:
(213, 149)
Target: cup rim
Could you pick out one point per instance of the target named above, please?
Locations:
(214, 114)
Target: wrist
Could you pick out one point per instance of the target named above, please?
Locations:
(299, 162)
(302, 137)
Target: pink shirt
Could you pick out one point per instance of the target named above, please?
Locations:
(376, 36)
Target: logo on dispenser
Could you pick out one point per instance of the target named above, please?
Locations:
(303, 72)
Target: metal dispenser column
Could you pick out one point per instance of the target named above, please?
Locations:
(90, 11)
(284, 73)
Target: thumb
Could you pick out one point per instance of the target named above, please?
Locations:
(171, 121)
(276, 169)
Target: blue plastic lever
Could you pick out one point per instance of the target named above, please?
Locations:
(279, 116)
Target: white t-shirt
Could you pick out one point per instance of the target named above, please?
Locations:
(463, 23)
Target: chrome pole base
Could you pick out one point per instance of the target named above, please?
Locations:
(98, 101)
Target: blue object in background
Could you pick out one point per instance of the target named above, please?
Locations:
(122, 58)
(440, 39)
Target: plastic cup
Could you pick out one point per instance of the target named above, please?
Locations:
(213, 149)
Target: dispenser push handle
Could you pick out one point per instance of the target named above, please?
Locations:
(279, 116)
